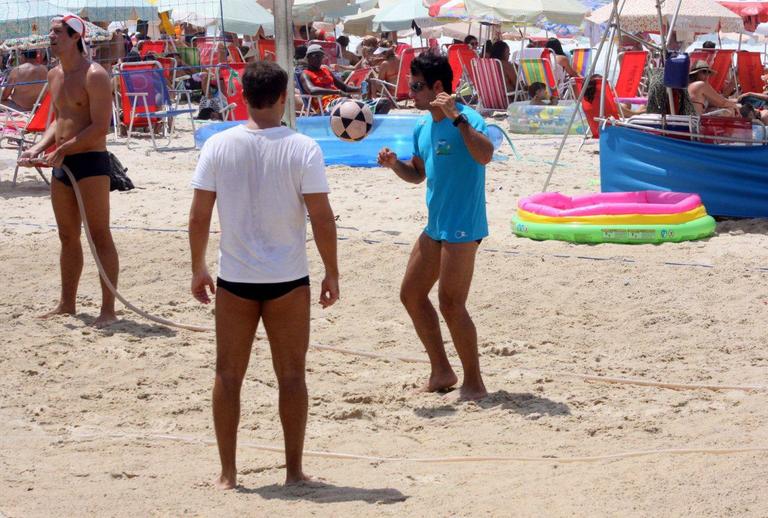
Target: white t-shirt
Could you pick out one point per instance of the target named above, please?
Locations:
(259, 177)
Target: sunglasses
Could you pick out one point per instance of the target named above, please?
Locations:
(417, 86)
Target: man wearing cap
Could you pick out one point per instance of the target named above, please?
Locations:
(81, 96)
(703, 96)
(318, 79)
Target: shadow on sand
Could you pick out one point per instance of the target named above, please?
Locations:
(325, 493)
(520, 403)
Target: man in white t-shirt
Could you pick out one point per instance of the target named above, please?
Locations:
(266, 178)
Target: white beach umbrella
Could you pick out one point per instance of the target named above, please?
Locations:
(696, 16)
(239, 16)
(510, 12)
(402, 15)
(360, 24)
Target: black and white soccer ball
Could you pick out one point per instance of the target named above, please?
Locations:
(351, 120)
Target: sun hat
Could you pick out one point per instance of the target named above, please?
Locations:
(700, 66)
(315, 49)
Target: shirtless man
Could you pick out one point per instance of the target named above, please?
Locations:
(22, 97)
(81, 96)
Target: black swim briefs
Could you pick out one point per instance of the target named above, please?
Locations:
(261, 292)
(83, 165)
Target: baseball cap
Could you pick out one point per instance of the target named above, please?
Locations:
(76, 24)
(314, 49)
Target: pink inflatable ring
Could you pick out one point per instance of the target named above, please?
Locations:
(557, 205)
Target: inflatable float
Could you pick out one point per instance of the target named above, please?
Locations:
(529, 119)
(616, 217)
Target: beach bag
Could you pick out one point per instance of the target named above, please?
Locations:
(118, 179)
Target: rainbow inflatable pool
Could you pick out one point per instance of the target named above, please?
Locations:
(613, 217)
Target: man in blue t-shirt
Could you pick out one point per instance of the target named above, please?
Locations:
(451, 149)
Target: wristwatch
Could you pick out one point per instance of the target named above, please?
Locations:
(461, 119)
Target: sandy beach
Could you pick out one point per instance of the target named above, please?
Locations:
(117, 422)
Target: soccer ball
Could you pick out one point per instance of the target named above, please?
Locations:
(351, 120)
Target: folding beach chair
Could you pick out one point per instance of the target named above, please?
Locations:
(311, 104)
(331, 49)
(401, 88)
(190, 56)
(633, 63)
(592, 108)
(750, 71)
(13, 121)
(539, 70)
(146, 100)
(490, 85)
(39, 120)
(359, 76)
(156, 47)
(400, 48)
(582, 60)
(460, 58)
(232, 89)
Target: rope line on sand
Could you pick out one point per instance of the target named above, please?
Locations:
(430, 460)
(369, 241)
(190, 327)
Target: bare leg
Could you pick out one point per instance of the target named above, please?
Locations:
(95, 191)
(71, 259)
(456, 268)
(286, 321)
(236, 321)
(420, 276)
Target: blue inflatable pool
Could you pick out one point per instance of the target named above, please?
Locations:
(392, 131)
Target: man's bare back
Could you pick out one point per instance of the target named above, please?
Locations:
(24, 96)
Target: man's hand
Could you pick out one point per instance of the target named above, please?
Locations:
(329, 290)
(56, 158)
(387, 158)
(447, 103)
(200, 281)
(29, 158)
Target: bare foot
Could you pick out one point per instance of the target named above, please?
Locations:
(105, 319)
(439, 382)
(60, 309)
(294, 480)
(225, 481)
(468, 394)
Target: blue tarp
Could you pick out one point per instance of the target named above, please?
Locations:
(731, 180)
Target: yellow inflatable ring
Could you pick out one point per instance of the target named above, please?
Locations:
(618, 219)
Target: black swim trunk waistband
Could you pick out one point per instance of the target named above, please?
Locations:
(83, 165)
(263, 291)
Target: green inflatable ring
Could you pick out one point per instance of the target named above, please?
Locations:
(631, 234)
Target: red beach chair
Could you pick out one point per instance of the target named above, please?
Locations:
(750, 70)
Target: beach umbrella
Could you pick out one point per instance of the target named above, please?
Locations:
(110, 10)
(361, 23)
(570, 12)
(751, 11)
(239, 16)
(308, 10)
(696, 16)
(449, 9)
(403, 15)
(21, 18)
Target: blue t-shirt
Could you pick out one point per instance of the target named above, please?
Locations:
(455, 181)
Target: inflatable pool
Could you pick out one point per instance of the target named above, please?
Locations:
(543, 120)
(619, 217)
(392, 131)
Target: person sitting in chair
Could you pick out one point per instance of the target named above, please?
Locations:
(317, 79)
(22, 97)
(705, 98)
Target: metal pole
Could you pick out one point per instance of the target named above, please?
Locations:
(284, 50)
(674, 20)
(661, 32)
(605, 83)
(614, 16)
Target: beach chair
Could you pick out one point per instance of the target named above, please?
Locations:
(581, 60)
(490, 85)
(13, 121)
(39, 120)
(539, 70)
(400, 48)
(401, 88)
(750, 70)
(331, 49)
(460, 58)
(311, 104)
(190, 56)
(633, 63)
(268, 50)
(232, 89)
(733, 127)
(156, 47)
(146, 100)
(359, 76)
(592, 108)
